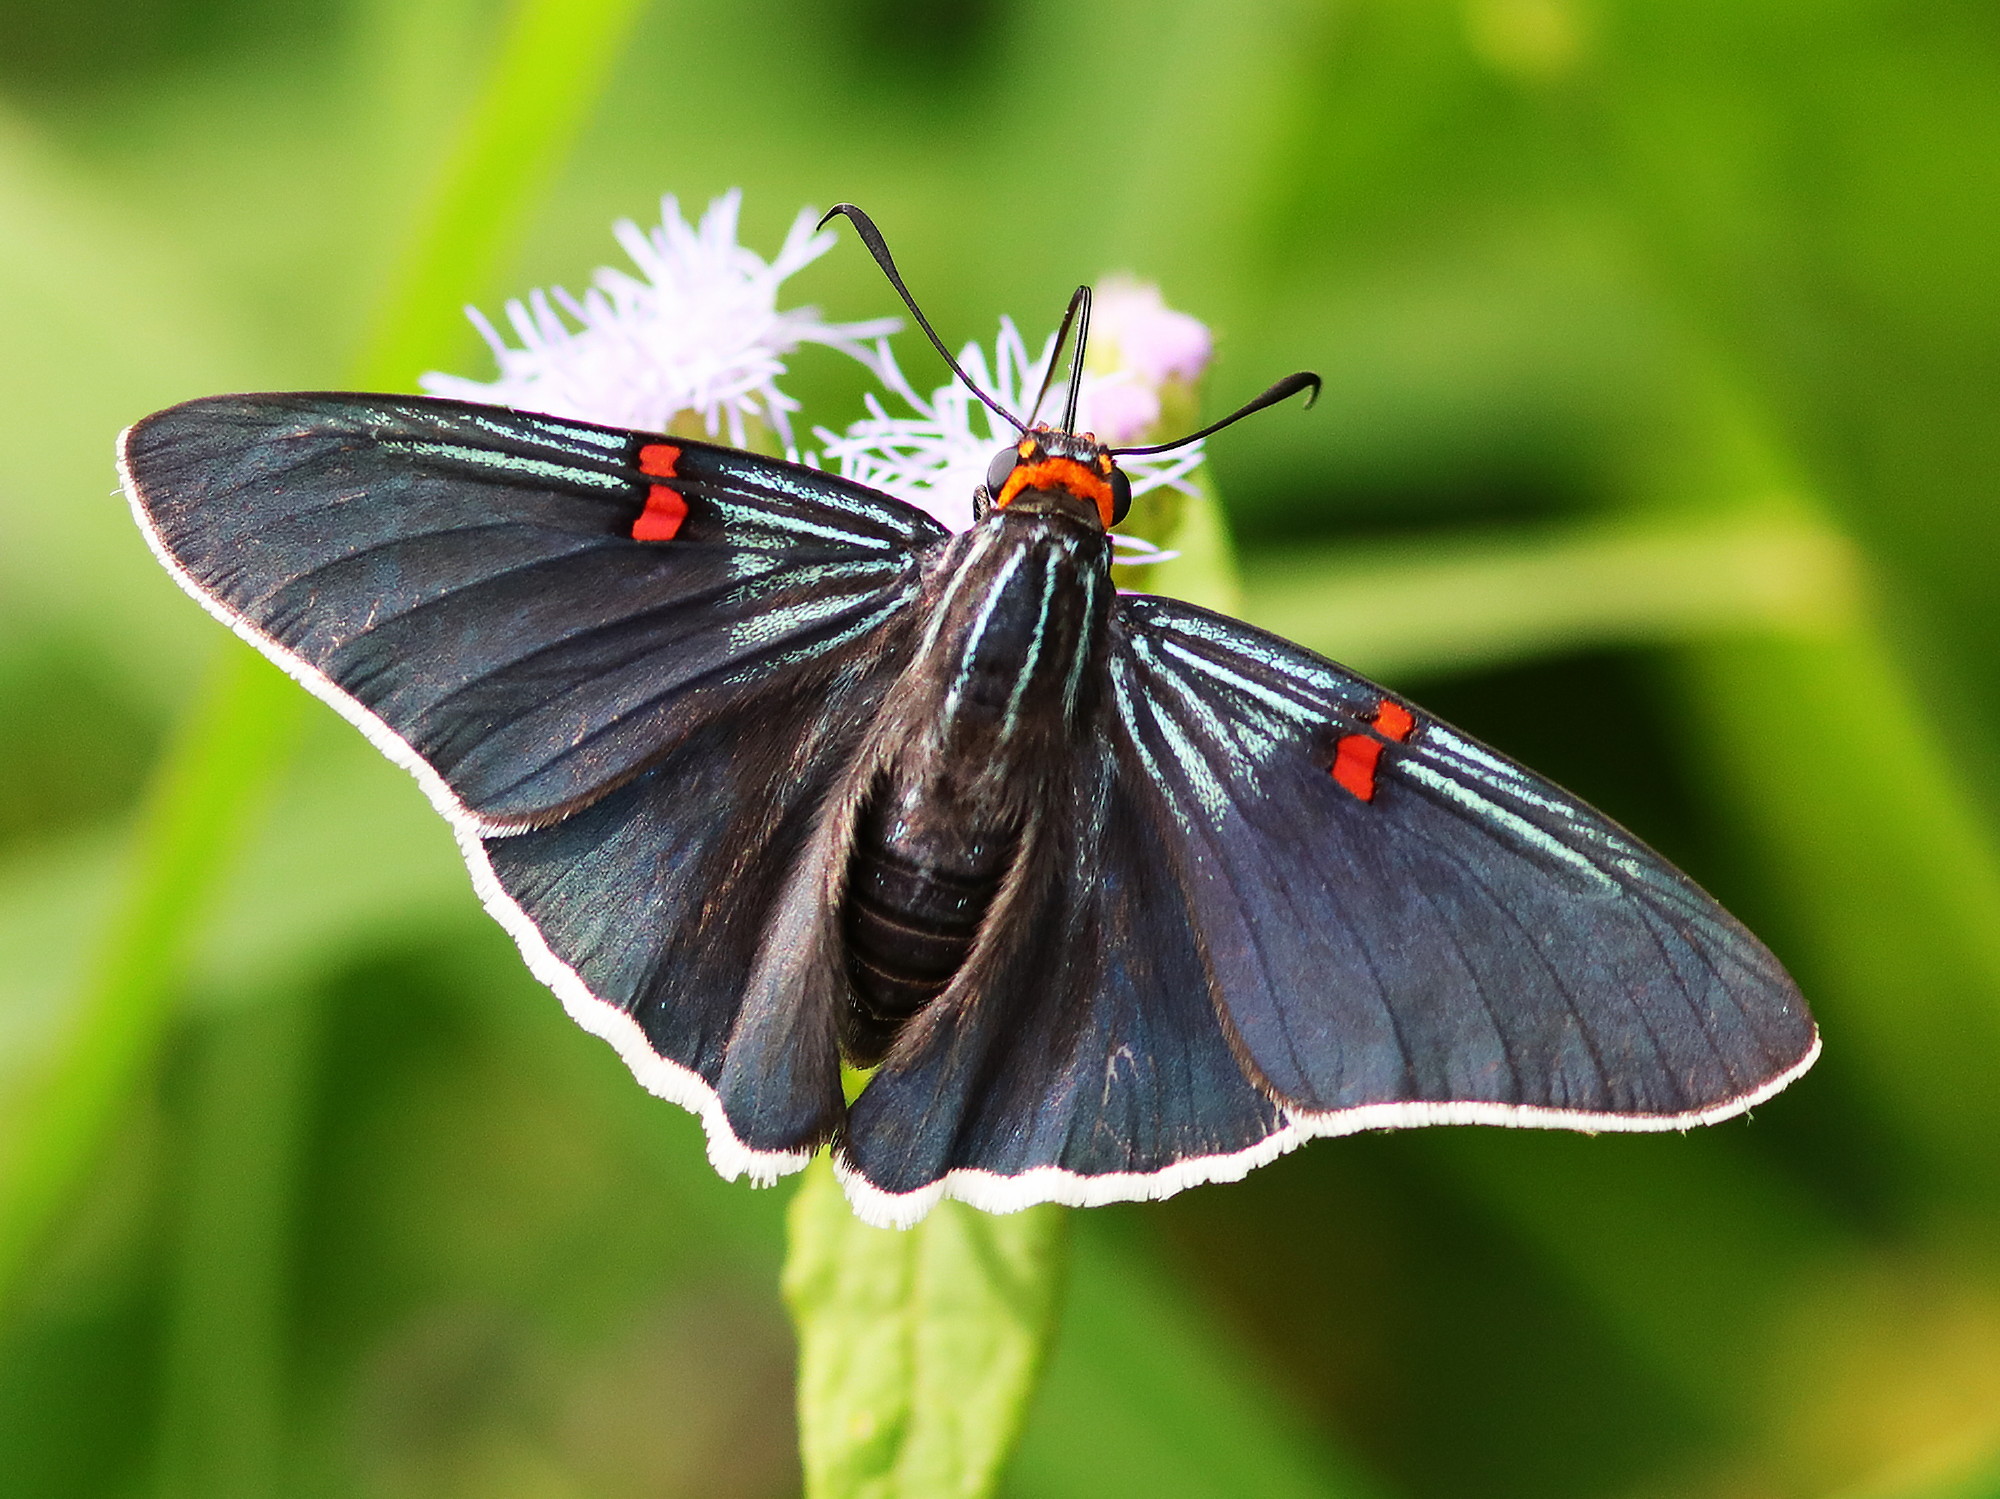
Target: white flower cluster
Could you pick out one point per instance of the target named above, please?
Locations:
(700, 331)
(936, 458)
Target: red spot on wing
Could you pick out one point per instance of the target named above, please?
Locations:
(1356, 756)
(1393, 721)
(665, 509)
(1354, 764)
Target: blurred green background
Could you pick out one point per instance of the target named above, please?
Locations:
(1659, 447)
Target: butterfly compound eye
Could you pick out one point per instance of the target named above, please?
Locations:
(998, 470)
(1121, 495)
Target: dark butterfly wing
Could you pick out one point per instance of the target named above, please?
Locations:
(1263, 901)
(462, 581)
(631, 737)
(1275, 908)
(1407, 928)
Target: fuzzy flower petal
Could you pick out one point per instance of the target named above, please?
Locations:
(697, 330)
(936, 458)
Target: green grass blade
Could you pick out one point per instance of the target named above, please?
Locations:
(1889, 872)
(1820, 741)
(551, 69)
(918, 1348)
(1407, 609)
(203, 801)
(551, 66)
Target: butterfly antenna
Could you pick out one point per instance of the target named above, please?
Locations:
(872, 238)
(1081, 299)
(1076, 362)
(1286, 388)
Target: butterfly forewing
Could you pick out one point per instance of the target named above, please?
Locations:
(464, 581)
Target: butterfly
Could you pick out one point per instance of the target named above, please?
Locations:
(766, 772)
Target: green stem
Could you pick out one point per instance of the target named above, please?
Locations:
(1196, 528)
(236, 740)
(1409, 609)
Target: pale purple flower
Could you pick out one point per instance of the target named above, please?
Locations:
(1132, 328)
(1137, 345)
(1122, 408)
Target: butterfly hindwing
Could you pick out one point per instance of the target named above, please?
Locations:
(1405, 927)
(463, 580)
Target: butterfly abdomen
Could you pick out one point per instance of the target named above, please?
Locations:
(919, 885)
(982, 720)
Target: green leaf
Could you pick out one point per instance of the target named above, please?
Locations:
(918, 1348)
